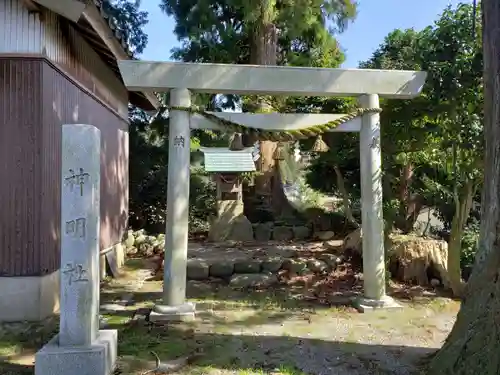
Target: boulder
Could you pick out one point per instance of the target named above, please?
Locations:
(333, 244)
(272, 264)
(252, 280)
(237, 229)
(145, 249)
(197, 270)
(324, 236)
(139, 232)
(282, 234)
(295, 266)
(354, 241)
(316, 265)
(263, 232)
(132, 251)
(140, 239)
(301, 232)
(247, 266)
(331, 260)
(129, 240)
(222, 269)
(151, 239)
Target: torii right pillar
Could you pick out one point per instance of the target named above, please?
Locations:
(372, 217)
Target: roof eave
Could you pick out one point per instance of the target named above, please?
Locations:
(97, 19)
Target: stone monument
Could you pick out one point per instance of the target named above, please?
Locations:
(80, 348)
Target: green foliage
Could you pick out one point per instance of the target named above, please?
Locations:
(469, 244)
(130, 20)
(221, 31)
(432, 145)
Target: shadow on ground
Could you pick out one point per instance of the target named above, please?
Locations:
(246, 353)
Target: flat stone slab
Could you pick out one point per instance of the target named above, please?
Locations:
(96, 359)
(182, 313)
(363, 304)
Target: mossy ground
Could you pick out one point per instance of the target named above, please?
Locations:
(255, 332)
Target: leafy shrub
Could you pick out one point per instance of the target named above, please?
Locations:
(469, 244)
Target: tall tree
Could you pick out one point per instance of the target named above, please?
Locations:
(473, 344)
(130, 20)
(453, 57)
(261, 32)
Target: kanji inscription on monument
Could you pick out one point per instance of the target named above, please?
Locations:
(179, 141)
(75, 273)
(77, 179)
(76, 227)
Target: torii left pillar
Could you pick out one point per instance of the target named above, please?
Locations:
(174, 305)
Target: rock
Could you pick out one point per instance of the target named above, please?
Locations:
(272, 264)
(333, 244)
(158, 247)
(435, 282)
(247, 266)
(331, 260)
(354, 241)
(146, 249)
(316, 265)
(324, 236)
(295, 266)
(139, 232)
(140, 239)
(129, 241)
(252, 280)
(301, 233)
(222, 269)
(241, 229)
(282, 234)
(263, 232)
(151, 239)
(287, 251)
(132, 251)
(197, 270)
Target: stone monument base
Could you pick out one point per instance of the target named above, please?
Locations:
(97, 359)
(162, 313)
(363, 304)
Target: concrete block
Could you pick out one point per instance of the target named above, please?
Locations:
(97, 359)
(162, 313)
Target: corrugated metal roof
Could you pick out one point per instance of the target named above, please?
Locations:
(221, 159)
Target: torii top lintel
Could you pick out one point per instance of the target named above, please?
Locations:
(270, 80)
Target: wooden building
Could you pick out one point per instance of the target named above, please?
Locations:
(55, 68)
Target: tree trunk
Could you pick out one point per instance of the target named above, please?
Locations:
(268, 185)
(462, 212)
(345, 197)
(409, 204)
(473, 344)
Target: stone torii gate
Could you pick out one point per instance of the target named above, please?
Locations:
(181, 78)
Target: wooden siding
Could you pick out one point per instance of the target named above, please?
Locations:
(65, 47)
(22, 32)
(21, 239)
(30, 160)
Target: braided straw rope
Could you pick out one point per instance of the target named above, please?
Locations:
(279, 135)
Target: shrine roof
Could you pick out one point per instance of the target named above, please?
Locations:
(221, 159)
